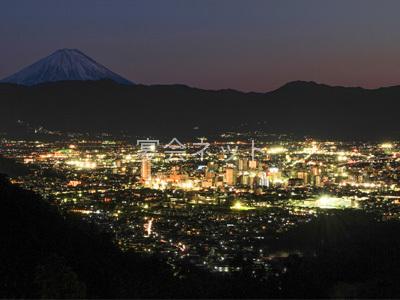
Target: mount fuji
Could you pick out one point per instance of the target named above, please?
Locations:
(62, 65)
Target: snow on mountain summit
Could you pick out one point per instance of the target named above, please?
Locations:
(64, 64)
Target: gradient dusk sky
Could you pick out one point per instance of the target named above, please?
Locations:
(255, 45)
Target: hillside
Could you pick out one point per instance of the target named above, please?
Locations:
(45, 255)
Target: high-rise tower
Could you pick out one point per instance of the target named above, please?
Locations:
(146, 169)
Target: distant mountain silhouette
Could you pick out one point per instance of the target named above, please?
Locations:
(300, 108)
(64, 64)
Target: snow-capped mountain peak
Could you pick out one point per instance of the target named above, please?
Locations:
(64, 64)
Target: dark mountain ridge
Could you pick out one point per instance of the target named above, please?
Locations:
(299, 108)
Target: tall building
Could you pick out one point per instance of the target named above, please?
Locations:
(252, 164)
(118, 163)
(317, 180)
(263, 179)
(251, 180)
(146, 169)
(210, 171)
(245, 179)
(243, 164)
(230, 176)
(274, 175)
(315, 171)
(304, 176)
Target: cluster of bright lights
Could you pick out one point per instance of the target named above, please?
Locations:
(240, 206)
(273, 170)
(187, 185)
(312, 150)
(148, 227)
(370, 185)
(276, 150)
(82, 164)
(161, 184)
(156, 184)
(386, 146)
(332, 202)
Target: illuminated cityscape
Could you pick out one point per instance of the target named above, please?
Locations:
(205, 210)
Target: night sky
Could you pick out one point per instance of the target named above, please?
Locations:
(253, 45)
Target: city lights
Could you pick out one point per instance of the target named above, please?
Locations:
(333, 202)
(276, 150)
(240, 206)
(232, 195)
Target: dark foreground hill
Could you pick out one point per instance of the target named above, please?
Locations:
(299, 108)
(44, 255)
